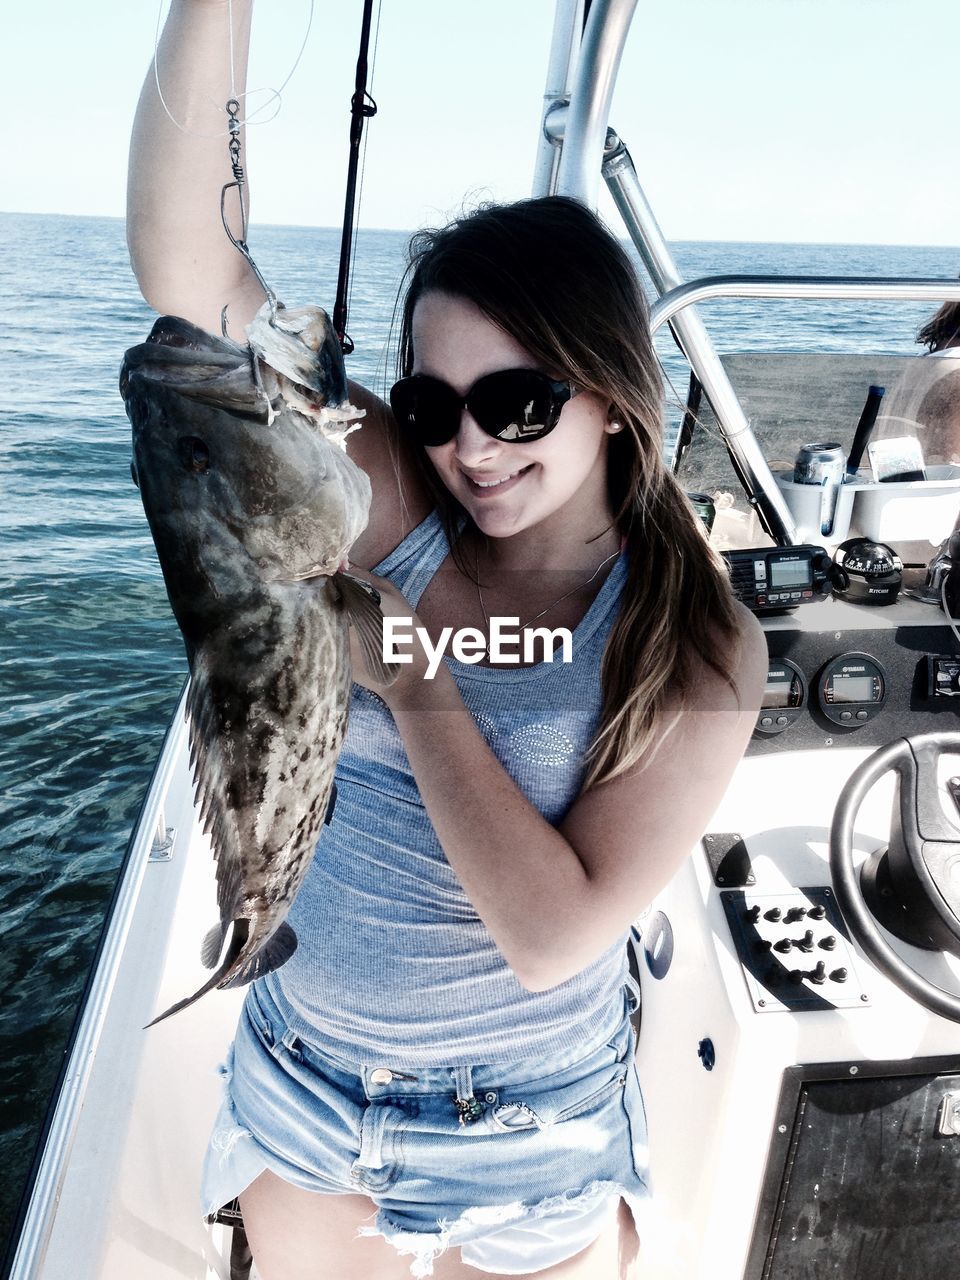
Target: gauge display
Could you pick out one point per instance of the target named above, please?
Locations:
(784, 695)
(849, 688)
(852, 689)
(783, 687)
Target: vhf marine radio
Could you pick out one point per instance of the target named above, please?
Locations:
(772, 579)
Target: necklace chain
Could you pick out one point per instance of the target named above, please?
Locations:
(552, 605)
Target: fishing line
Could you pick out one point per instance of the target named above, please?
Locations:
(233, 70)
(274, 95)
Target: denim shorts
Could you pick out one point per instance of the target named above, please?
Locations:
(519, 1164)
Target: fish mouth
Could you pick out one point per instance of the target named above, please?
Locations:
(188, 361)
(174, 331)
(218, 371)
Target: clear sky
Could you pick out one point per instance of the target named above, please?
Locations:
(803, 120)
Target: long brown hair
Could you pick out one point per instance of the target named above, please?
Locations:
(942, 329)
(550, 274)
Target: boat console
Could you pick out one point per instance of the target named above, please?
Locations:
(800, 1039)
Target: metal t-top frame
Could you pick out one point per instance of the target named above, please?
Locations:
(577, 146)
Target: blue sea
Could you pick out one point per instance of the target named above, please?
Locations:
(90, 661)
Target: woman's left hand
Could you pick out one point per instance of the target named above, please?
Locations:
(412, 660)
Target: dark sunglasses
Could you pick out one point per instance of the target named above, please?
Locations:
(515, 405)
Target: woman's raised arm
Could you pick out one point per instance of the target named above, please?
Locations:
(183, 261)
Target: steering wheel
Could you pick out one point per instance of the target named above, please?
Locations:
(922, 865)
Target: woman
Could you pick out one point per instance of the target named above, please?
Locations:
(444, 1068)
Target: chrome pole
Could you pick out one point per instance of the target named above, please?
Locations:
(881, 288)
(745, 453)
(564, 48)
(586, 123)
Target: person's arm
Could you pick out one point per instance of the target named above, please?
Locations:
(552, 898)
(183, 261)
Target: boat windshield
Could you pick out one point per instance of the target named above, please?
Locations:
(791, 400)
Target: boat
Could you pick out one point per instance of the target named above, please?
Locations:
(799, 1031)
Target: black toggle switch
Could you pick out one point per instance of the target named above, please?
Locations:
(817, 912)
(806, 942)
(838, 975)
(819, 974)
(752, 915)
(796, 976)
(773, 914)
(794, 914)
(783, 946)
(829, 942)
(762, 946)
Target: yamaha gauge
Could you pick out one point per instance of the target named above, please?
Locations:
(772, 579)
(851, 689)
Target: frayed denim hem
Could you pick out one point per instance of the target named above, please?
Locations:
(234, 1158)
(514, 1238)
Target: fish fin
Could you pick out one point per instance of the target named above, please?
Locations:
(276, 951)
(238, 940)
(212, 945)
(362, 604)
(211, 779)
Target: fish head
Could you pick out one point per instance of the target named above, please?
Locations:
(239, 488)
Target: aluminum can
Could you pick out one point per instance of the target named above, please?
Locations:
(824, 465)
(703, 507)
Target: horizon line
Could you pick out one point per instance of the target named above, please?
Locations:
(409, 231)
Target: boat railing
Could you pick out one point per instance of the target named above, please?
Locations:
(878, 288)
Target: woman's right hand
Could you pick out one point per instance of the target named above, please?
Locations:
(183, 262)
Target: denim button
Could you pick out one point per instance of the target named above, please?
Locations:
(381, 1075)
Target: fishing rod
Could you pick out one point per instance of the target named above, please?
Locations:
(362, 106)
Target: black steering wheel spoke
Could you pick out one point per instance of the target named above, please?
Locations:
(919, 871)
(923, 860)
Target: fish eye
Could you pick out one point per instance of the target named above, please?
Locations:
(133, 473)
(194, 453)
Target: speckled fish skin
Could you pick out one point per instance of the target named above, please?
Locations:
(251, 508)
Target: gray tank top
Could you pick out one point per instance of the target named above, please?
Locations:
(393, 963)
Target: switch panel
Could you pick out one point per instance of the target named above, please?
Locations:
(794, 951)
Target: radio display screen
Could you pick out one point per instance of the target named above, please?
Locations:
(790, 573)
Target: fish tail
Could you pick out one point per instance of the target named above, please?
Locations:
(238, 940)
(278, 948)
(183, 1004)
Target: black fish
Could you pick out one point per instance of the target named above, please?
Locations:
(253, 505)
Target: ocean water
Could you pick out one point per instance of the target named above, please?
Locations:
(90, 661)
